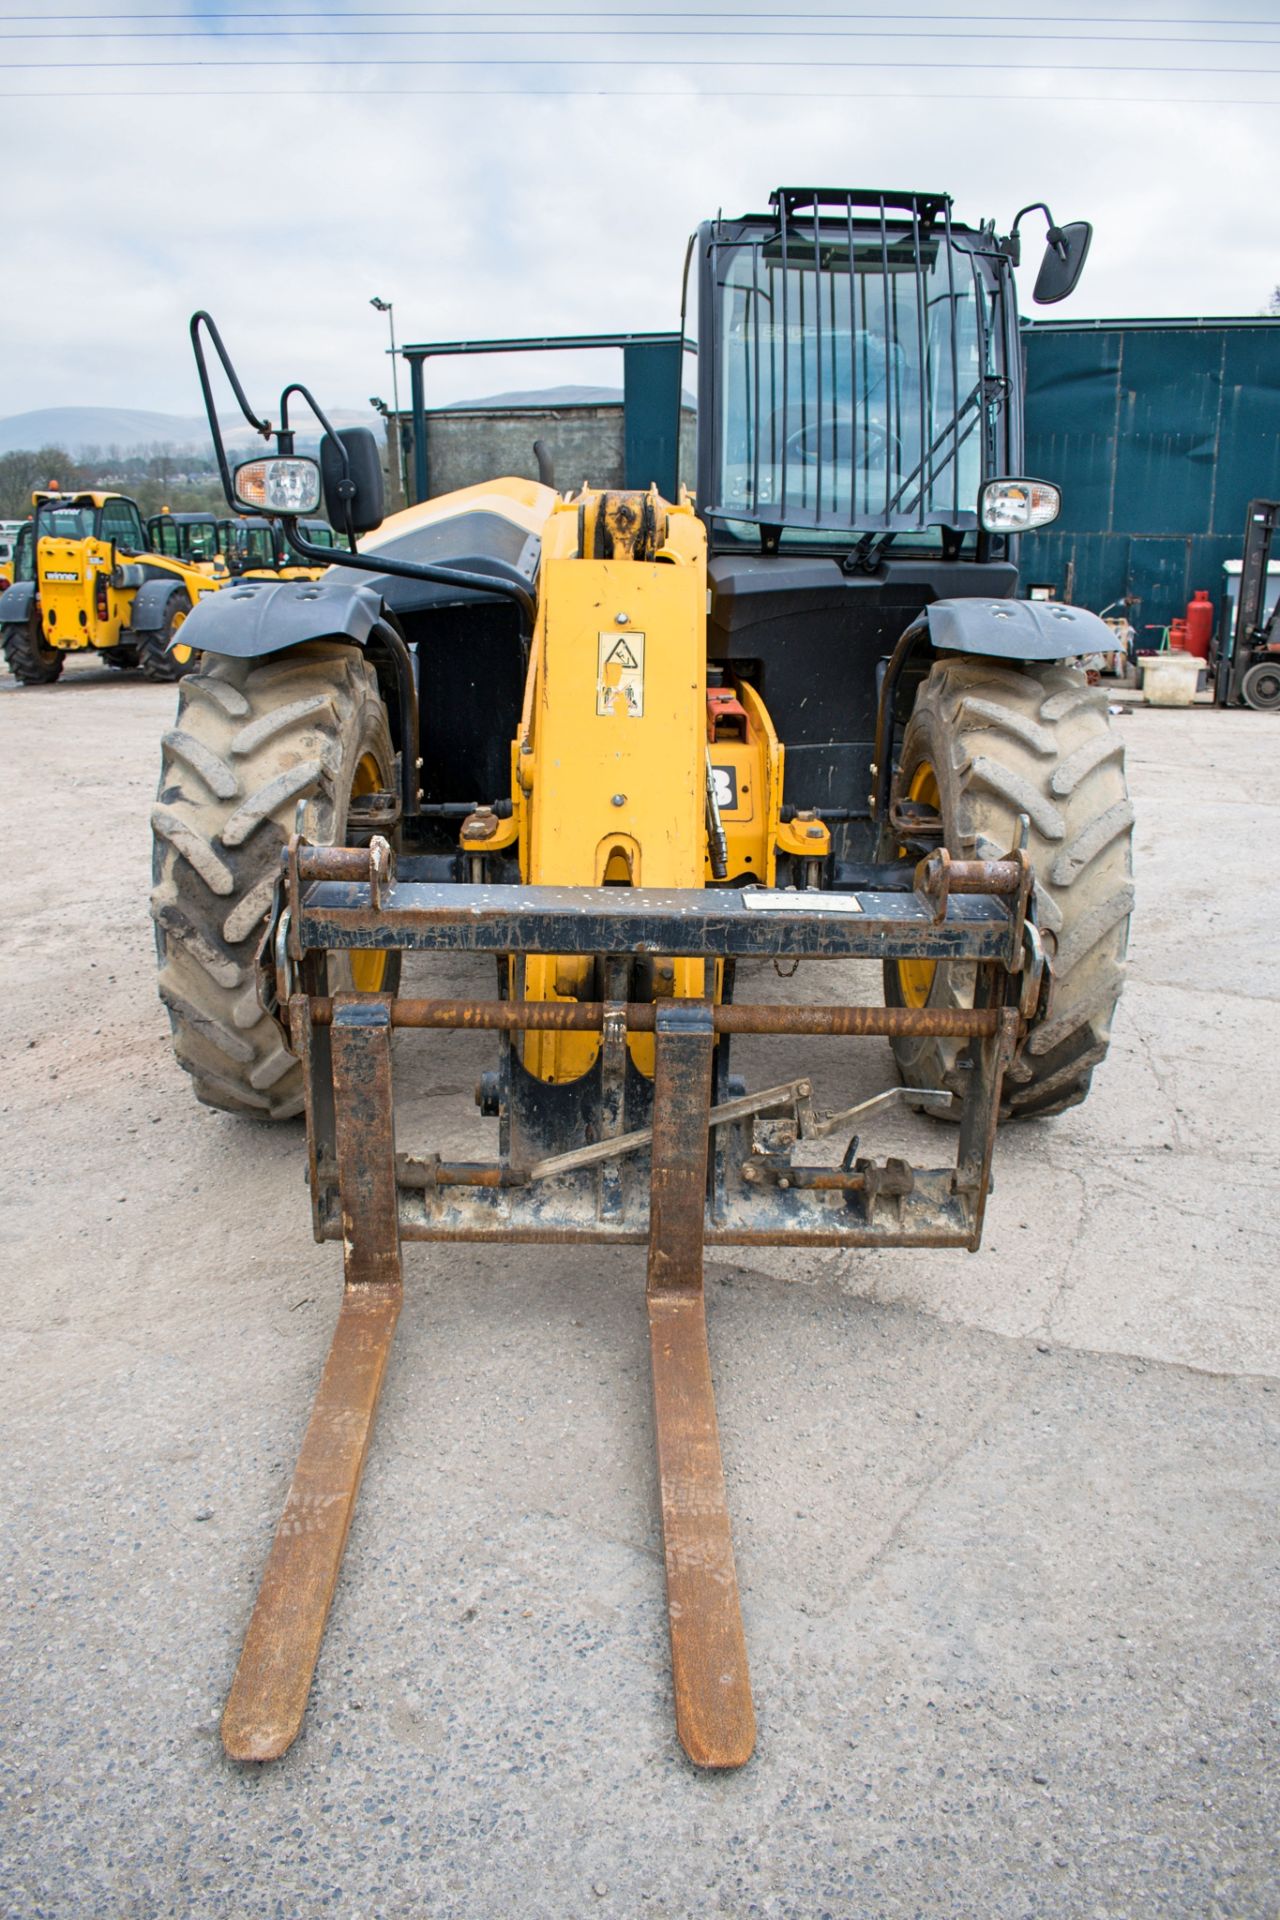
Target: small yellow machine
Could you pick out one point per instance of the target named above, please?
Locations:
(93, 582)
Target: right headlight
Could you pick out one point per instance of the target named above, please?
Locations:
(1016, 506)
(278, 485)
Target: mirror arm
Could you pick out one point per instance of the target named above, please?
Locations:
(346, 489)
(259, 426)
(1011, 246)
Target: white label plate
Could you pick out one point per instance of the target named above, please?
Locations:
(788, 900)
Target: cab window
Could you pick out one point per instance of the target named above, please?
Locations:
(122, 523)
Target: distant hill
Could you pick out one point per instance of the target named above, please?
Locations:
(547, 397)
(540, 397)
(132, 428)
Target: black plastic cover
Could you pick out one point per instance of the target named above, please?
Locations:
(1017, 629)
(16, 603)
(150, 602)
(258, 617)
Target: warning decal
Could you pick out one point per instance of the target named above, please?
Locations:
(620, 674)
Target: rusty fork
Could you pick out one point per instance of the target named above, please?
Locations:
(714, 1714)
(268, 1696)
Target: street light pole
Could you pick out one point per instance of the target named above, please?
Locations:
(388, 307)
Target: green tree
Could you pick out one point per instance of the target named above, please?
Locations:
(25, 470)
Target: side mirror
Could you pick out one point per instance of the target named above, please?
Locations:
(355, 497)
(1063, 262)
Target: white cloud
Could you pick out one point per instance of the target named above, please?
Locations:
(500, 215)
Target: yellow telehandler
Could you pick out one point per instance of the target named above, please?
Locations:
(87, 578)
(618, 743)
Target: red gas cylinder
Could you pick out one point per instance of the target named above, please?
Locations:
(1199, 623)
(1178, 637)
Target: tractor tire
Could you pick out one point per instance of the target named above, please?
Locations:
(252, 738)
(986, 742)
(28, 655)
(154, 659)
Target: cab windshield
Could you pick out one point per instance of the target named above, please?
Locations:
(65, 523)
(199, 540)
(851, 380)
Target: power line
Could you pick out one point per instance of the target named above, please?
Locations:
(573, 60)
(687, 33)
(633, 93)
(673, 33)
(581, 15)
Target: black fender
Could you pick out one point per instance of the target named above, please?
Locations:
(16, 603)
(254, 618)
(1016, 629)
(151, 604)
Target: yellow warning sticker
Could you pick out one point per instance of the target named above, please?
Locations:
(620, 674)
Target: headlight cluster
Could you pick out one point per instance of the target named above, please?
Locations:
(1016, 506)
(278, 486)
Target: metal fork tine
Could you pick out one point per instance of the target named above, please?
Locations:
(714, 1714)
(268, 1696)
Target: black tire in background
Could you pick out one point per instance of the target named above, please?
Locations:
(154, 658)
(28, 655)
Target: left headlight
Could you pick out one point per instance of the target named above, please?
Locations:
(1016, 506)
(278, 486)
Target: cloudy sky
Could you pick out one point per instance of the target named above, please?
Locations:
(537, 170)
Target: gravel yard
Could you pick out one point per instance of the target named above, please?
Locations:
(1005, 1524)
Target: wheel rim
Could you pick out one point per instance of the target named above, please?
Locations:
(368, 964)
(1262, 685)
(181, 654)
(915, 977)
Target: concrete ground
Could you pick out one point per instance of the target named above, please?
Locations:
(1005, 1524)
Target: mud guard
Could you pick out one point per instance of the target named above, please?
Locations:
(259, 617)
(150, 604)
(1016, 629)
(16, 603)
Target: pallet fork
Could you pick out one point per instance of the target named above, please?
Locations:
(711, 1165)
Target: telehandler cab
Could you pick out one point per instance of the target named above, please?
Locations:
(620, 742)
(232, 546)
(86, 578)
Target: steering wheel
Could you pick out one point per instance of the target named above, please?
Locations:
(811, 442)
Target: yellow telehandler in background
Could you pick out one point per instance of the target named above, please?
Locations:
(86, 578)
